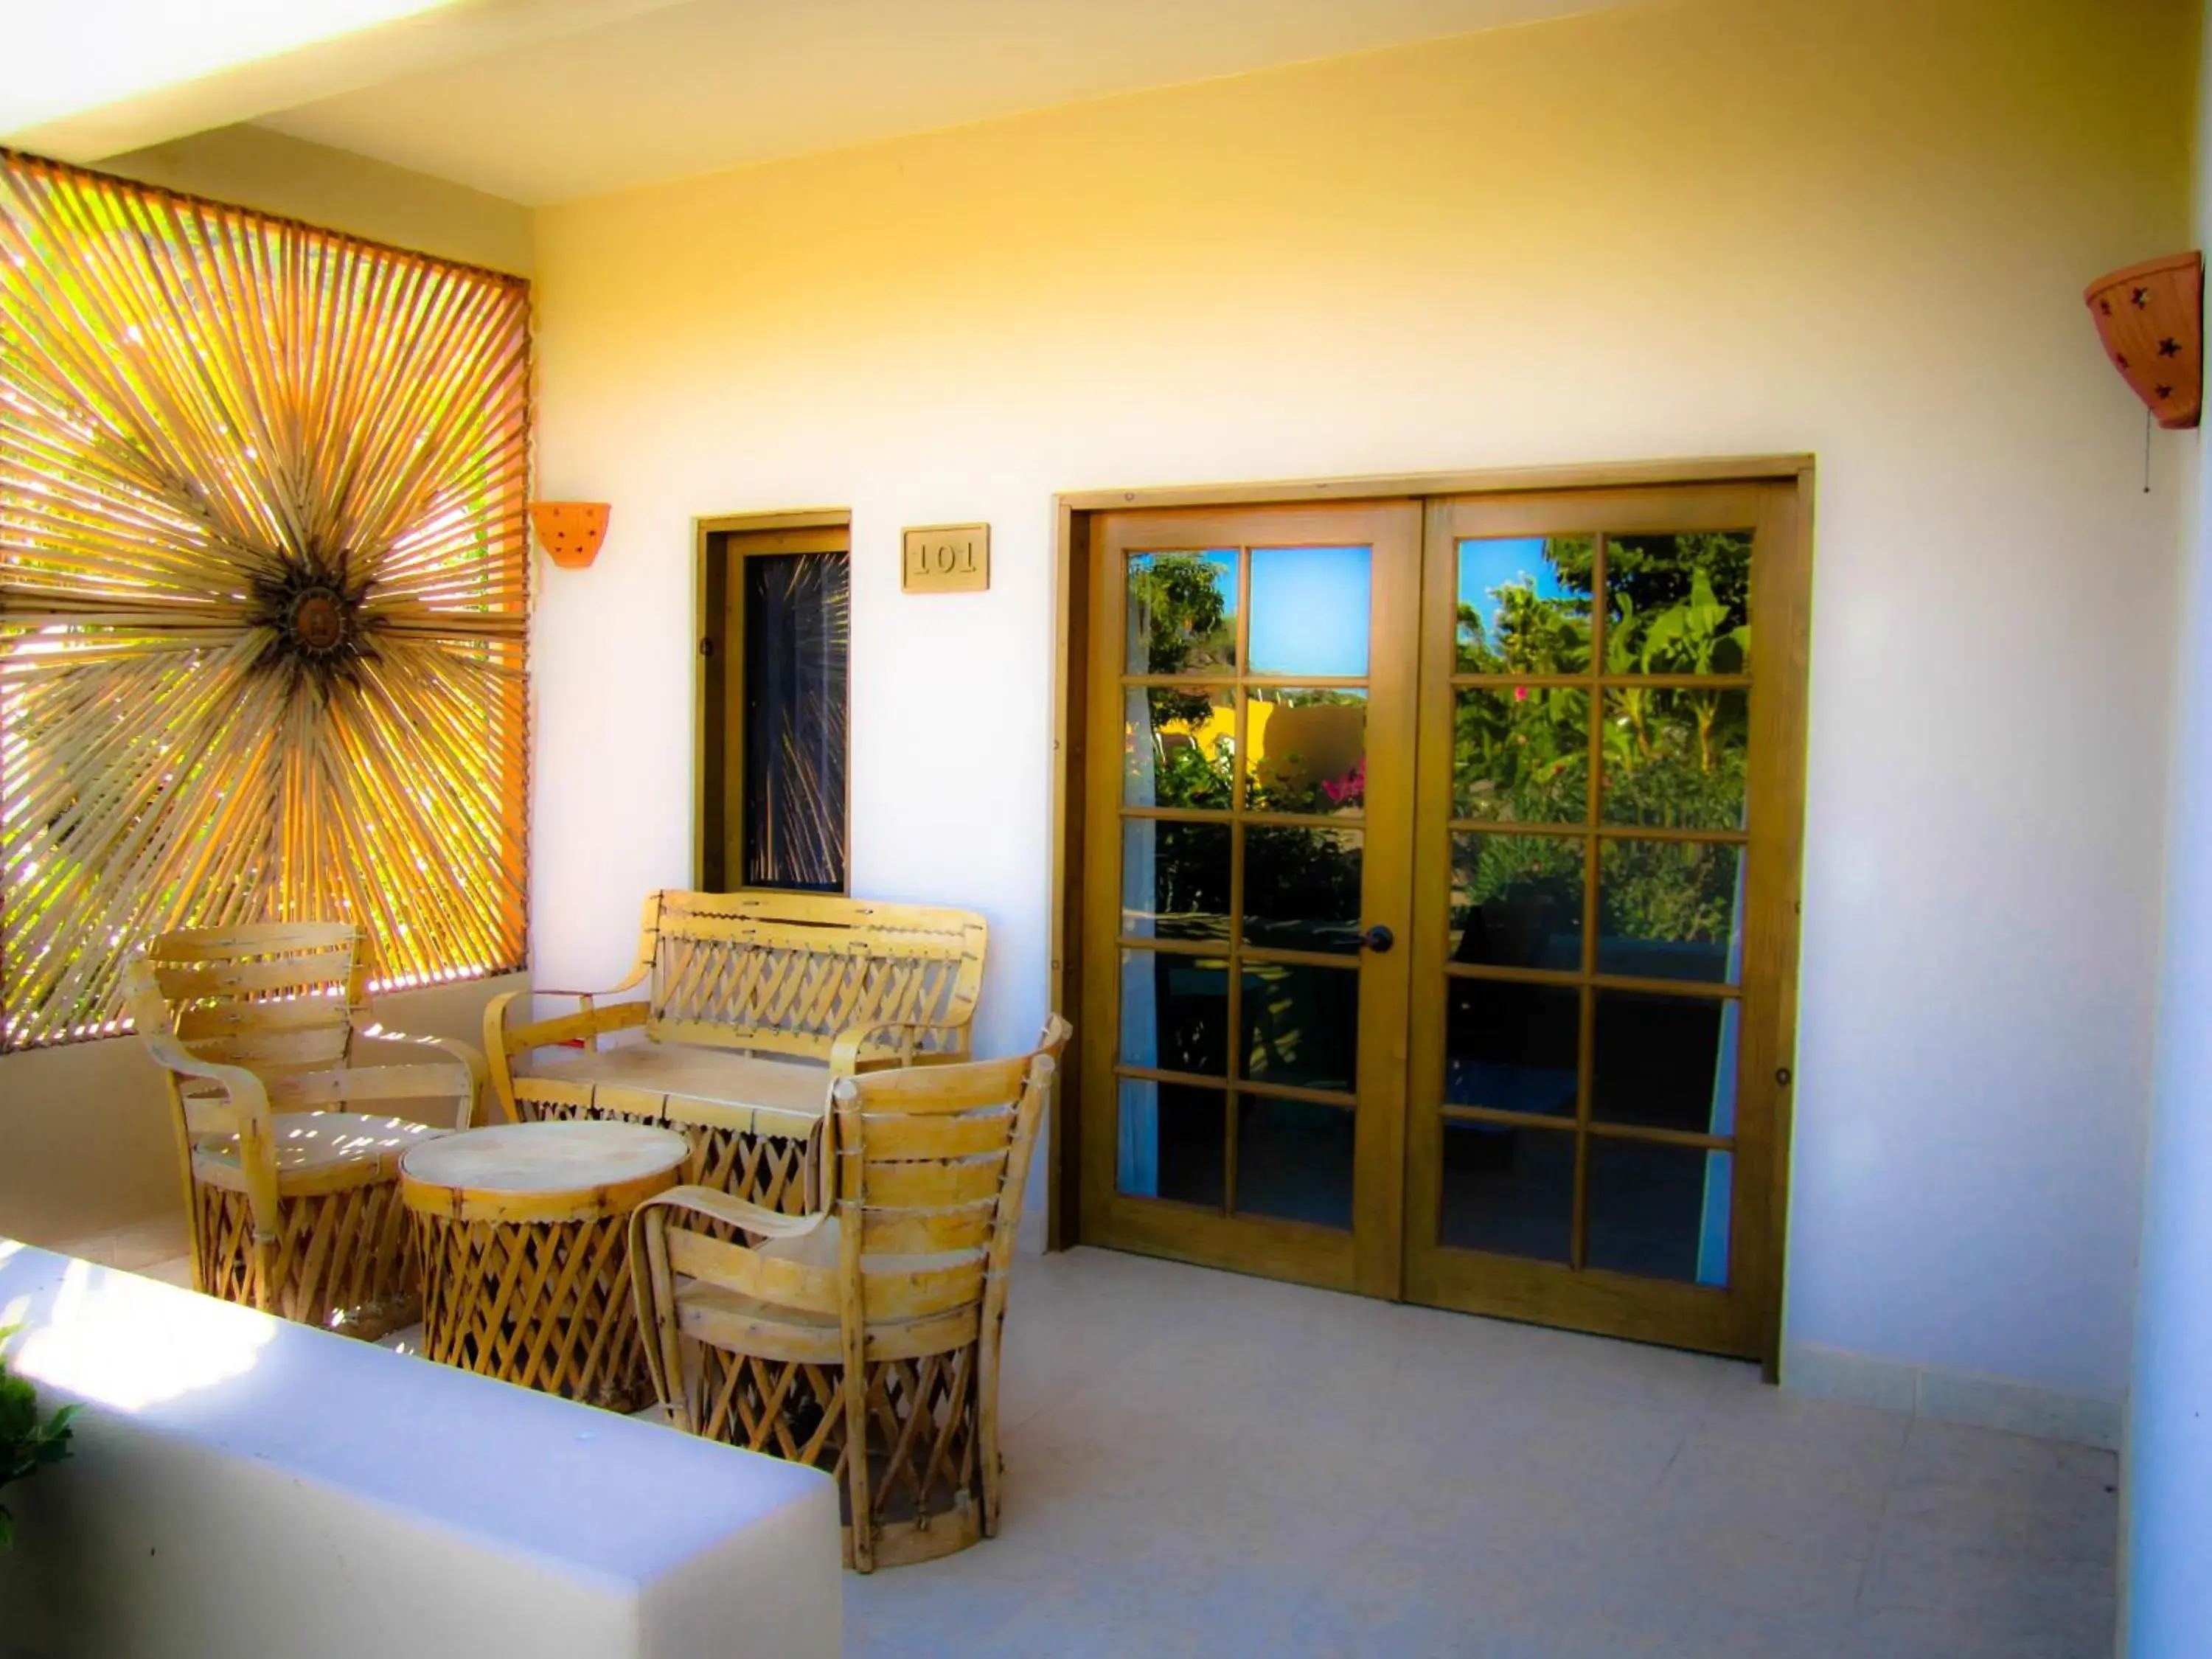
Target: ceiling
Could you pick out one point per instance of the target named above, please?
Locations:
(664, 90)
(115, 76)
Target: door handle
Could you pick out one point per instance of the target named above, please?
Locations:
(1377, 939)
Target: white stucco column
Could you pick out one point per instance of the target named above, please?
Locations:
(2167, 1560)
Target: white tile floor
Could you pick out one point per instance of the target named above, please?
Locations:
(1203, 1464)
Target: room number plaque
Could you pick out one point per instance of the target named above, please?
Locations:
(947, 558)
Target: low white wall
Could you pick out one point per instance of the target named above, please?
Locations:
(256, 1489)
(86, 1143)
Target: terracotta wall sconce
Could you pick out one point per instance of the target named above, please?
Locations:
(570, 532)
(2151, 319)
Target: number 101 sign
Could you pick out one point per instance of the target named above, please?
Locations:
(947, 558)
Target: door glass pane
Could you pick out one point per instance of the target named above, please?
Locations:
(1659, 1211)
(797, 629)
(1665, 1062)
(1301, 887)
(1507, 1187)
(1670, 909)
(1309, 750)
(1294, 1160)
(1524, 605)
(1678, 604)
(1512, 1047)
(1174, 1142)
(1516, 901)
(1175, 879)
(1301, 1024)
(1178, 747)
(1174, 1013)
(1678, 760)
(1181, 613)
(1520, 754)
(1309, 611)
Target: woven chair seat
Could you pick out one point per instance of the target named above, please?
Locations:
(313, 1147)
(713, 1313)
(695, 1075)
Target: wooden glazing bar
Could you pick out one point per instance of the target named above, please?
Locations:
(1561, 977)
(1607, 682)
(1603, 831)
(1292, 1091)
(1660, 1136)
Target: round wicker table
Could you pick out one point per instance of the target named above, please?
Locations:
(525, 1253)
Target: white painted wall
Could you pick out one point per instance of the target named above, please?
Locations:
(2167, 1558)
(1716, 226)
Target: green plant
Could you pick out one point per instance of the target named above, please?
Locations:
(27, 1445)
(1672, 757)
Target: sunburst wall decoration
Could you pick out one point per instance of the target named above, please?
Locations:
(262, 586)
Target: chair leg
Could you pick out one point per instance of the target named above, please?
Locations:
(265, 1287)
(987, 1421)
(854, 1386)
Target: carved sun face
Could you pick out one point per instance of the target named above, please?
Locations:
(318, 625)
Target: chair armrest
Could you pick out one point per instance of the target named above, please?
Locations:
(247, 1096)
(845, 1053)
(502, 1038)
(637, 977)
(718, 1205)
(502, 1041)
(653, 1280)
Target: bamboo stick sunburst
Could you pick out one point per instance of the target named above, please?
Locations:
(263, 568)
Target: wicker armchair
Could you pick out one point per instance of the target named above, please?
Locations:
(293, 1195)
(875, 1324)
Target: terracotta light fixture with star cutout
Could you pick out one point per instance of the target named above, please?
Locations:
(2151, 319)
(570, 532)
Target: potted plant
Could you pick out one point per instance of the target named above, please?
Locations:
(27, 1445)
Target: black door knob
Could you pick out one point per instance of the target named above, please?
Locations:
(1379, 939)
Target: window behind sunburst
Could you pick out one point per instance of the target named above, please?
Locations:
(262, 584)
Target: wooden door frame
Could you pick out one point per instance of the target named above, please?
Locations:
(713, 653)
(1073, 513)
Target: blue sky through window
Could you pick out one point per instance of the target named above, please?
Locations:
(1486, 566)
(1309, 611)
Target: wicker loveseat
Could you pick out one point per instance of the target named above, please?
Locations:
(753, 1004)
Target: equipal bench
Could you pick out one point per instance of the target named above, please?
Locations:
(754, 1004)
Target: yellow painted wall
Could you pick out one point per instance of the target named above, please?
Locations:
(1710, 227)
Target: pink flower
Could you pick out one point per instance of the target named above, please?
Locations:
(1520, 694)
(1350, 788)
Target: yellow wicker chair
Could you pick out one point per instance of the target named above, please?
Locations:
(295, 1206)
(875, 1324)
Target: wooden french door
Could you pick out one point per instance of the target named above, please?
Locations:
(1440, 878)
(1248, 885)
(1605, 908)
